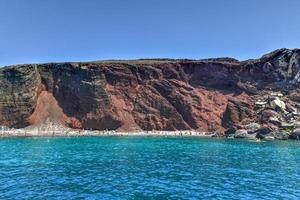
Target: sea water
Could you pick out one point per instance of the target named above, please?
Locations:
(148, 168)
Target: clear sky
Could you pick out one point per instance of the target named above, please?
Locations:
(36, 31)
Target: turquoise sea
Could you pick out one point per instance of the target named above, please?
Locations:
(148, 168)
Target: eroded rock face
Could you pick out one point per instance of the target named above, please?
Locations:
(205, 95)
(19, 90)
(238, 110)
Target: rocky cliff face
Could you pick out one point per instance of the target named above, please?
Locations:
(220, 95)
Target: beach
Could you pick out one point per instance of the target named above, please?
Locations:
(96, 133)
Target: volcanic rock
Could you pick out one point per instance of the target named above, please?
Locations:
(212, 95)
(263, 132)
(295, 134)
(267, 115)
(252, 127)
(237, 110)
(242, 133)
(278, 104)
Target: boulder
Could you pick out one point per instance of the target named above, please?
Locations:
(278, 104)
(295, 135)
(267, 114)
(276, 94)
(230, 131)
(287, 125)
(269, 137)
(295, 95)
(217, 134)
(279, 135)
(263, 132)
(275, 121)
(261, 103)
(291, 109)
(252, 127)
(242, 133)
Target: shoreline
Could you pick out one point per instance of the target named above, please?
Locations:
(88, 133)
(30, 133)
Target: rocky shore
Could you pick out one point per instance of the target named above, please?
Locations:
(253, 132)
(277, 118)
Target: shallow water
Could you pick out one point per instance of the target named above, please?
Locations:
(148, 167)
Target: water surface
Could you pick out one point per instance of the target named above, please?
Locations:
(148, 168)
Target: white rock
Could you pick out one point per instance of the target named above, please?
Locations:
(261, 103)
(278, 103)
(278, 94)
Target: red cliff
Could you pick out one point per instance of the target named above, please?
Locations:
(204, 95)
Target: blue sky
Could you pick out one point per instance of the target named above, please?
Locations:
(37, 31)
